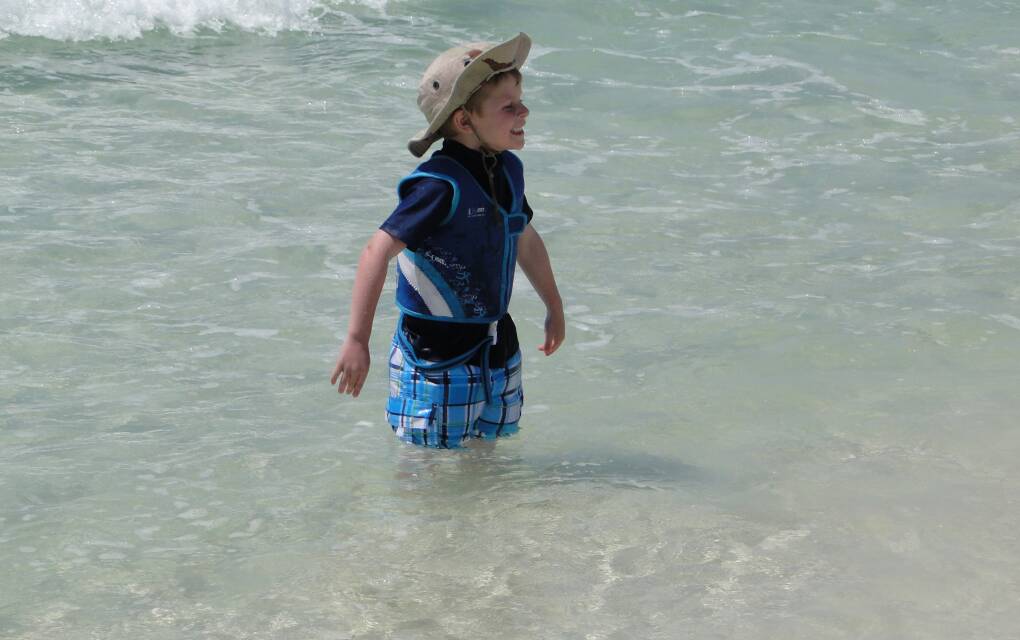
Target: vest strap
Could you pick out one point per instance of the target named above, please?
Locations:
(430, 366)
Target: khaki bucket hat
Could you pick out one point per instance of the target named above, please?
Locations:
(455, 75)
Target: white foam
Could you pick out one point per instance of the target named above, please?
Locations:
(1006, 319)
(913, 117)
(128, 19)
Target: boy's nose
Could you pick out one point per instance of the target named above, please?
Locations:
(523, 111)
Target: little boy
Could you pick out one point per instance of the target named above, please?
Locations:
(460, 227)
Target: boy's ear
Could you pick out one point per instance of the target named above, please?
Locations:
(461, 120)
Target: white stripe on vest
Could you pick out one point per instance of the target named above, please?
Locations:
(420, 282)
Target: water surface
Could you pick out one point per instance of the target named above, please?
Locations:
(787, 235)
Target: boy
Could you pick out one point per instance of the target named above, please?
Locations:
(461, 224)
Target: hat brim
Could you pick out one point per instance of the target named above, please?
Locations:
(494, 60)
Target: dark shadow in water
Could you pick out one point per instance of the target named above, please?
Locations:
(484, 468)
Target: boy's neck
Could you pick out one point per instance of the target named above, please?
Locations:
(467, 141)
(473, 143)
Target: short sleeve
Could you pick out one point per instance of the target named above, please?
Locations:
(423, 207)
(526, 208)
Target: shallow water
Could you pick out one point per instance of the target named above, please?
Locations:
(787, 236)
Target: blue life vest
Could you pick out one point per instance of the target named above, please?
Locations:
(464, 271)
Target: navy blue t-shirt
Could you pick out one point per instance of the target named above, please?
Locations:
(425, 204)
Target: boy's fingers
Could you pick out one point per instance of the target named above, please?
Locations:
(345, 382)
(351, 383)
(550, 346)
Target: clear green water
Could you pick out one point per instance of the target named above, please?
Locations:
(787, 235)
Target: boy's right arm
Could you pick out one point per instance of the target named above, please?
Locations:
(353, 361)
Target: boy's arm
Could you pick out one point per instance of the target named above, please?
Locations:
(534, 260)
(353, 361)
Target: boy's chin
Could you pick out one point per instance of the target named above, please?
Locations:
(517, 146)
(512, 142)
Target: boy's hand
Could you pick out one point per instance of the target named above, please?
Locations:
(534, 259)
(351, 367)
(555, 332)
(352, 364)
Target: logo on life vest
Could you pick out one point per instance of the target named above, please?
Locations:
(476, 212)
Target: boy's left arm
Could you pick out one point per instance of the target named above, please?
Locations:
(534, 260)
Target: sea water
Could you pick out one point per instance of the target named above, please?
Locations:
(787, 236)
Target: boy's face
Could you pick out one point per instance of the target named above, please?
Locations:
(500, 119)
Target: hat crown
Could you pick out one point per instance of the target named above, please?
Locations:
(439, 80)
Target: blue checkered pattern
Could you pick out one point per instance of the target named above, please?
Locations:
(443, 409)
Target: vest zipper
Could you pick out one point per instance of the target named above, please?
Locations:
(497, 219)
(492, 182)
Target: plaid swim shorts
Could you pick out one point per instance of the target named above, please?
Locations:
(442, 409)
